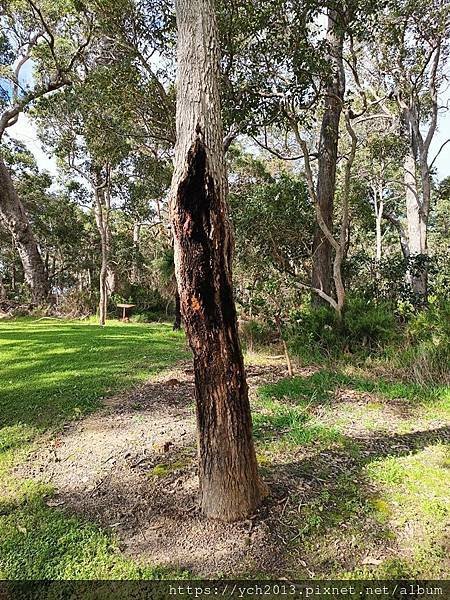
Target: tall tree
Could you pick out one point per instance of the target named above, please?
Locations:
(56, 43)
(230, 487)
(14, 217)
(322, 269)
(417, 44)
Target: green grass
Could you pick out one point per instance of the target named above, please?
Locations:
(57, 370)
(50, 372)
(389, 492)
(360, 497)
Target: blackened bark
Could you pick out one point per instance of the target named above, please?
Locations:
(322, 265)
(230, 488)
(13, 215)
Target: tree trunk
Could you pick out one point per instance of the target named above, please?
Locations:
(417, 227)
(177, 321)
(230, 487)
(101, 211)
(3, 294)
(322, 270)
(379, 212)
(13, 214)
(136, 246)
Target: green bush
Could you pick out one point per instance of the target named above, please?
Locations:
(368, 324)
(145, 299)
(78, 303)
(256, 333)
(312, 333)
(149, 316)
(426, 357)
(315, 333)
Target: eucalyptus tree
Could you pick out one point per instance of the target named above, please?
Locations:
(334, 90)
(413, 59)
(54, 38)
(293, 77)
(230, 487)
(83, 125)
(142, 185)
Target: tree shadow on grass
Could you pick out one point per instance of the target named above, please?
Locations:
(154, 511)
(332, 518)
(54, 372)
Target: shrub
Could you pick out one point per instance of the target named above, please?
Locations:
(426, 357)
(368, 324)
(146, 299)
(256, 333)
(78, 303)
(314, 333)
(148, 316)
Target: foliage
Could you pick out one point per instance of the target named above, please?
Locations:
(366, 325)
(427, 353)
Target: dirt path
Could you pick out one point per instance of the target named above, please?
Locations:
(132, 467)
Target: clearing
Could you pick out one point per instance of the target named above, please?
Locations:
(98, 464)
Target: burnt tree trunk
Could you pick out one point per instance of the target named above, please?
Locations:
(322, 265)
(230, 487)
(13, 215)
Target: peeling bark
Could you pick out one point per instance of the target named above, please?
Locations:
(230, 488)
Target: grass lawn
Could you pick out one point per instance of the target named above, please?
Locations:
(362, 460)
(51, 372)
(376, 455)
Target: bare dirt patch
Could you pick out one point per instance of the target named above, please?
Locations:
(132, 468)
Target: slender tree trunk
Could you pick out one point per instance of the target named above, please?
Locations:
(417, 226)
(379, 211)
(230, 487)
(3, 293)
(13, 215)
(322, 270)
(101, 219)
(177, 321)
(136, 245)
(402, 235)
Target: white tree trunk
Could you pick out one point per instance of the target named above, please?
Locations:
(14, 217)
(416, 223)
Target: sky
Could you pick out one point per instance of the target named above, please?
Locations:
(25, 131)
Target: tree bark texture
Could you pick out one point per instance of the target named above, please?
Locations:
(230, 487)
(13, 215)
(322, 269)
(417, 224)
(101, 211)
(177, 320)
